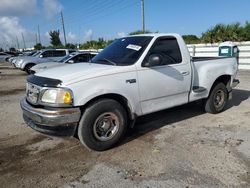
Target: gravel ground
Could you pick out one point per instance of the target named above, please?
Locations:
(179, 147)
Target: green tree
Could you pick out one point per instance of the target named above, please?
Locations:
(245, 34)
(38, 46)
(96, 44)
(12, 49)
(191, 39)
(222, 32)
(55, 38)
(70, 45)
(1, 50)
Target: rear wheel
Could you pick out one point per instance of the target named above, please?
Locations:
(102, 125)
(217, 99)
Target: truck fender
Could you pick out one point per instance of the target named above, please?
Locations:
(124, 101)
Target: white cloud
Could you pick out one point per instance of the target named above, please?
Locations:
(121, 34)
(51, 8)
(88, 35)
(10, 29)
(18, 8)
(71, 38)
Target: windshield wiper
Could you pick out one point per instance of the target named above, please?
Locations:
(107, 60)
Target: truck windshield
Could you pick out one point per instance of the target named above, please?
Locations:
(123, 51)
(36, 54)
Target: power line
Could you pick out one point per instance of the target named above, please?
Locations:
(108, 14)
(102, 14)
(92, 9)
(96, 11)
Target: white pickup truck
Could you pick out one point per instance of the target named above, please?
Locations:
(133, 76)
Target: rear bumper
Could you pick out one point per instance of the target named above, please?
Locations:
(55, 122)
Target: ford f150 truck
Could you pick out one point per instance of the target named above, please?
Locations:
(133, 76)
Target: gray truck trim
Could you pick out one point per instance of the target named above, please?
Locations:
(56, 121)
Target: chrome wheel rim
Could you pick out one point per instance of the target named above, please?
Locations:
(219, 99)
(106, 126)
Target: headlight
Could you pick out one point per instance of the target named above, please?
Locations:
(57, 96)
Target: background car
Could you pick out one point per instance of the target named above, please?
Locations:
(4, 55)
(25, 63)
(76, 57)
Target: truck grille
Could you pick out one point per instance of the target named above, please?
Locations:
(32, 93)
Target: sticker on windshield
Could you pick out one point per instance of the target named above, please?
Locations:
(134, 47)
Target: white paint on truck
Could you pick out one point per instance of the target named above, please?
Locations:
(134, 76)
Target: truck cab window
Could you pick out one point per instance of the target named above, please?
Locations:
(167, 50)
(59, 53)
(47, 54)
(81, 58)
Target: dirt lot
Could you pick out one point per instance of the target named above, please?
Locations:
(180, 147)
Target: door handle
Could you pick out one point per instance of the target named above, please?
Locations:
(185, 73)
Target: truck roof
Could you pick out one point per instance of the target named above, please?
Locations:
(159, 34)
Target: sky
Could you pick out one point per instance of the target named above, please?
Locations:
(91, 19)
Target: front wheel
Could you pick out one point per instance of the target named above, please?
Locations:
(102, 125)
(217, 99)
(28, 68)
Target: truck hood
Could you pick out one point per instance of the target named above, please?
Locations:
(71, 73)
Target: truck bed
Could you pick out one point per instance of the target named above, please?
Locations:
(195, 59)
(206, 70)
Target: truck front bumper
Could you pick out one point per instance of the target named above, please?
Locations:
(55, 122)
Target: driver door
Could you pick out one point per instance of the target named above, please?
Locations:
(167, 83)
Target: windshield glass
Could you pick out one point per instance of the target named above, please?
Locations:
(37, 54)
(123, 51)
(65, 58)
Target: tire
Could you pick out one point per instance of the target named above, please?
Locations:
(217, 99)
(28, 67)
(97, 135)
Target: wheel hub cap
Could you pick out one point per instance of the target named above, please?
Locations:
(219, 99)
(106, 126)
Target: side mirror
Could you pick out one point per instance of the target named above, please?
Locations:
(153, 60)
(71, 61)
(41, 56)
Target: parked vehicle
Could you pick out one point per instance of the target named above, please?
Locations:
(4, 55)
(14, 59)
(26, 62)
(76, 57)
(16, 55)
(133, 76)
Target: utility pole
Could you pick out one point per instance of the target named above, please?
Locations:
(39, 39)
(17, 42)
(36, 38)
(65, 41)
(143, 16)
(24, 45)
